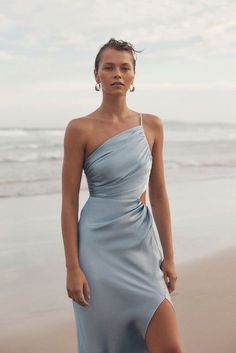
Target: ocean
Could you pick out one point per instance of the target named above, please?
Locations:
(31, 159)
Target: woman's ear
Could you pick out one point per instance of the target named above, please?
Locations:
(95, 74)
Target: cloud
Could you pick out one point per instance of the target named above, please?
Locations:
(5, 23)
(167, 28)
(7, 56)
(48, 49)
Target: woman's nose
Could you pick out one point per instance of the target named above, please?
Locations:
(117, 72)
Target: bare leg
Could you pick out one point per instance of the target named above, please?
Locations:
(162, 334)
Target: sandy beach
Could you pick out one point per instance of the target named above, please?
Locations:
(37, 315)
(204, 299)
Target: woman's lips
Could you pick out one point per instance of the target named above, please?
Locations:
(117, 84)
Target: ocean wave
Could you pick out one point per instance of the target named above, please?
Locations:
(13, 132)
(174, 131)
(30, 131)
(172, 164)
(32, 157)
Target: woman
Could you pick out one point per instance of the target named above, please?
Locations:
(116, 277)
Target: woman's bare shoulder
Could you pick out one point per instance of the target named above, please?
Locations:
(80, 124)
(80, 127)
(77, 131)
(152, 120)
(154, 125)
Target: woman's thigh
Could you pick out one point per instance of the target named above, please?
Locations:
(162, 334)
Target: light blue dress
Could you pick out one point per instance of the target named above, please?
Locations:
(118, 249)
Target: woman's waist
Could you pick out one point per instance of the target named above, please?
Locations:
(108, 215)
(106, 208)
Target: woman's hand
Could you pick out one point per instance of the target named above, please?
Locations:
(77, 286)
(168, 268)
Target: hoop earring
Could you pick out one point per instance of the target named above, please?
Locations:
(97, 86)
(132, 89)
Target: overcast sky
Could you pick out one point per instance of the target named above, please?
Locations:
(186, 72)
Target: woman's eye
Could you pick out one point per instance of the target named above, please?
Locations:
(110, 68)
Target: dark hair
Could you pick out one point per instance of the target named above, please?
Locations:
(118, 45)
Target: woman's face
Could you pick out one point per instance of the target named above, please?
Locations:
(115, 65)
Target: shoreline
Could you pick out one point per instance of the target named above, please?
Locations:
(201, 225)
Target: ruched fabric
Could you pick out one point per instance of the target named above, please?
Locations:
(117, 247)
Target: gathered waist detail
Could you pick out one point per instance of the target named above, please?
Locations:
(121, 199)
(106, 202)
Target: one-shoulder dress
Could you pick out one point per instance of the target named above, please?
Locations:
(117, 248)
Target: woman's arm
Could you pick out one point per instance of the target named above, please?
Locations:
(158, 194)
(72, 168)
(71, 179)
(159, 201)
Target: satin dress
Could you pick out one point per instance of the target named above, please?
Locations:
(118, 249)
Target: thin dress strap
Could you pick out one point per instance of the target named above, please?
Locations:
(141, 120)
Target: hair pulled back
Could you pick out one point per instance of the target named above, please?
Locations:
(118, 45)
